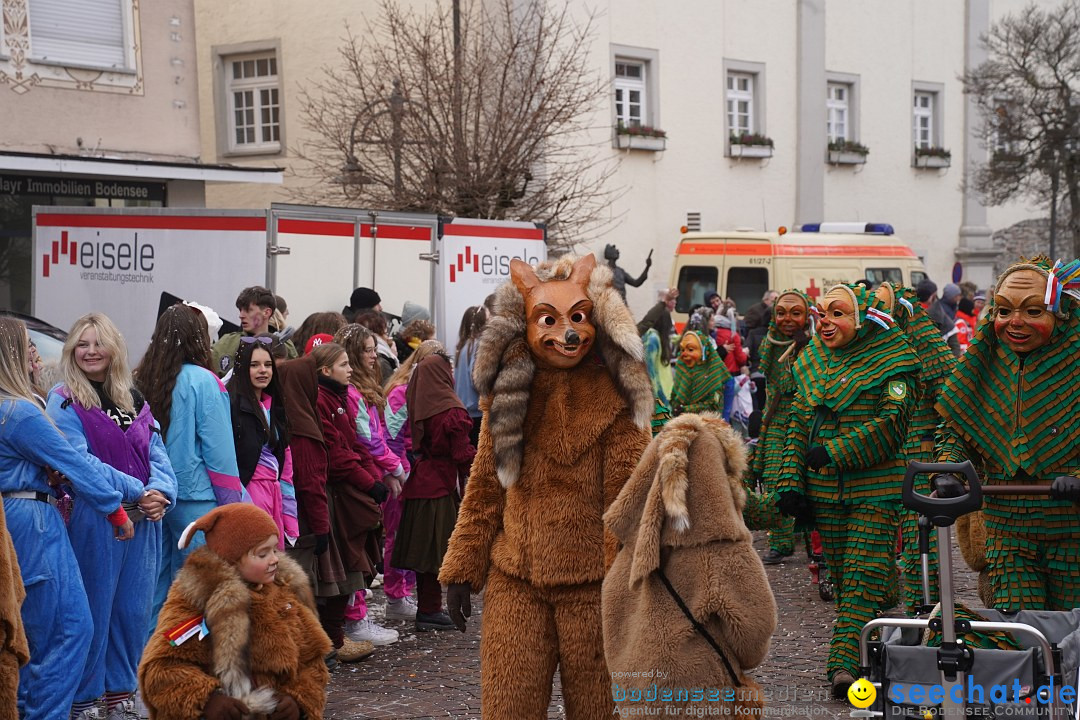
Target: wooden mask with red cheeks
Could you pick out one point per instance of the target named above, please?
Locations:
(1021, 319)
(558, 313)
(791, 314)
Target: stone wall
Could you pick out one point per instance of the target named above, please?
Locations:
(1024, 239)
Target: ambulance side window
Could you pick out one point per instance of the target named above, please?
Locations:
(893, 276)
(694, 282)
(917, 276)
(746, 286)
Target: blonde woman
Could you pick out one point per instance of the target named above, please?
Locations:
(105, 418)
(55, 613)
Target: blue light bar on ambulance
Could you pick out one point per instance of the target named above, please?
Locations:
(848, 227)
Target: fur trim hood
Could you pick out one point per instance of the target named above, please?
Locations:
(678, 496)
(504, 366)
(214, 587)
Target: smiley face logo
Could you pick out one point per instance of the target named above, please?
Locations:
(862, 693)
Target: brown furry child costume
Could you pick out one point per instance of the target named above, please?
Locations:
(238, 635)
(686, 577)
(567, 403)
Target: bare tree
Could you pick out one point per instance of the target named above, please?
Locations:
(476, 112)
(1028, 94)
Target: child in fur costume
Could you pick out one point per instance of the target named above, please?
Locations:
(566, 403)
(259, 652)
(684, 550)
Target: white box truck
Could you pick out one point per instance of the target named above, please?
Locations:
(120, 261)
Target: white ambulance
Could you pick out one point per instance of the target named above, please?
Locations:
(744, 264)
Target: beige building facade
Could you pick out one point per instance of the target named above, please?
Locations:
(801, 73)
(99, 100)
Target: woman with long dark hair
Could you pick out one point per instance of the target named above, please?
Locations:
(55, 612)
(261, 433)
(472, 325)
(104, 417)
(192, 407)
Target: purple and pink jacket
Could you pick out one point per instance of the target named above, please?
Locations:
(371, 432)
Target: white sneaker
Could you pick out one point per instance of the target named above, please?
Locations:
(124, 711)
(91, 713)
(401, 608)
(368, 594)
(366, 630)
(378, 581)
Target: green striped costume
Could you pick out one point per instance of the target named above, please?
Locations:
(1017, 416)
(936, 363)
(855, 401)
(696, 389)
(775, 363)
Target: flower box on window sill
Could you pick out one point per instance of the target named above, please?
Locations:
(840, 157)
(932, 157)
(652, 143)
(739, 150)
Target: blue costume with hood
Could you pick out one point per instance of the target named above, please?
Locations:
(119, 577)
(55, 612)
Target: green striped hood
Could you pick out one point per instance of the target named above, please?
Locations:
(701, 382)
(1020, 412)
(775, 344)
(835, 378)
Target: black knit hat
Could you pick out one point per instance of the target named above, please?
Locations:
(925, 290)
(363, 298)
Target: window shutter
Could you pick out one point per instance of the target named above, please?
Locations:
(85, 32)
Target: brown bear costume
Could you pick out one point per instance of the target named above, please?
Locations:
(679, 520)
(567, 402)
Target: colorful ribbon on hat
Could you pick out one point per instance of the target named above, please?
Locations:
(881, 317)
(1063, 279)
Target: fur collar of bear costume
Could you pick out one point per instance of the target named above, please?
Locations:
(504, 366)
(681, 512)
(215, 588)
(654, 508)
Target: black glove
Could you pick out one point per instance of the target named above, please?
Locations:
(379, 492)
(795, 504)
(1065, 487)
(222, 707)
(322, 543)
(818, 457)
(948, 485)
(286, 709)
(459, 603)
(676, 410)
(802, 339)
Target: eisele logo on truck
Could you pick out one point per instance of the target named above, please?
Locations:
(109, 261)
(494, 266)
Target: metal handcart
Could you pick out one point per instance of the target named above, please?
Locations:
(957, 680)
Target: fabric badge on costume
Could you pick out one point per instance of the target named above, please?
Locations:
(226, 361)
(186, 630)
(897, 390)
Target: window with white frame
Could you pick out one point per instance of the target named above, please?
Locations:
(923, 119)
(740, 103)
(88, 33)
(253, 101)
(631, 109)
(837, 109)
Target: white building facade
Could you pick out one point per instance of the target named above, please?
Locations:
(799, 73)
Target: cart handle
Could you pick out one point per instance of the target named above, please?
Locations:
(1016, 490)
(942, 511)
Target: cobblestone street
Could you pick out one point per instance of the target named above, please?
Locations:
(432, 675)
